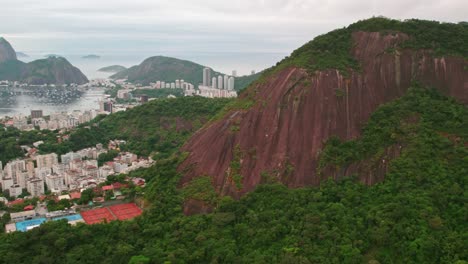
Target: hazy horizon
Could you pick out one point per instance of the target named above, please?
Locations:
(196, 29)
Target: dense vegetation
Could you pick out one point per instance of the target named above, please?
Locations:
(332, 50)
(392, 123)
(11, 140)
(417, 215)
(158, 93)
(158, 127)
(11, 70)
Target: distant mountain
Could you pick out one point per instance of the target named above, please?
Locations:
(52, 70)
(160, 68)
(91, 56)
(113, 69)
(20, 54)
(7, 53)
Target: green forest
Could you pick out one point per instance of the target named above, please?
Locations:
(416, 215)
(157, 129)
(333, 49)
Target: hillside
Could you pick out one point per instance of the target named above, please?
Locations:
(113, 69)
(157, 128)
(7, 53)
(52, 70)
(417, 215)
(326, 89)
(160, 68)
(385, 139)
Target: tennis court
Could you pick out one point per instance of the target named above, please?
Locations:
(97, 216)
(125, 211)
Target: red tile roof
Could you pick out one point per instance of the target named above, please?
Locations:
(118, 185)
(28, 208)
(17, 201)
(75, 195)
(107, 187)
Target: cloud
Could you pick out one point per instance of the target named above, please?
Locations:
(206, 25)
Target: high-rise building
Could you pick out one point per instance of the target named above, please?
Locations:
(46, 161)
(226, 82)
(36, 113)
(213, 83)
(220, 82)
(234, 73)
(55, 182)
(231, 83)
(206, 77)
(252, 72)
(35, 186)
(177, 84)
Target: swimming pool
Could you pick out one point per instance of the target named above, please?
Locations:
(29, 224)
(69, 217)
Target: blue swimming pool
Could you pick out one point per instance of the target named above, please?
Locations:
(28, 224)
(69, 217)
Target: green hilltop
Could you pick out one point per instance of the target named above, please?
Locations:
(161, 68)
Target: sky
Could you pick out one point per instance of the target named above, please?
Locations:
(154, 27)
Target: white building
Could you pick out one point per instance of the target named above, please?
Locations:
(226, 82)
(206, 77)
(35, 187)
(66, 158)
(230, 83)
(55, 183)
(220, 82)
(46, 161)
(213, 82)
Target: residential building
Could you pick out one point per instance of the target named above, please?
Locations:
(35, 187)
(206, 77)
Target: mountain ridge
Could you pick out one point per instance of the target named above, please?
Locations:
(51, 70)
(326, 88)
(7, 53)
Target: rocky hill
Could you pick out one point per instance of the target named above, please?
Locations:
(160, 68)
(325, 91)
(51, 70)
(7, 53)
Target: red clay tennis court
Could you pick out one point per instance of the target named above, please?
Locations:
(97, 216)
(125, 211)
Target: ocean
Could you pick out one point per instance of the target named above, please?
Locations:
(23, 103)
(242, 62)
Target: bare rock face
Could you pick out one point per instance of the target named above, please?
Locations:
(296, 112)
(7, 53)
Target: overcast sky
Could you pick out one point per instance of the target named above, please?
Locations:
(154, 26)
